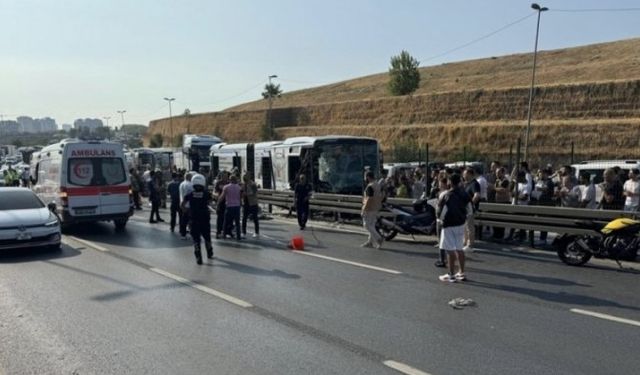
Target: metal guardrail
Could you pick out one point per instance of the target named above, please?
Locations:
(538, 218)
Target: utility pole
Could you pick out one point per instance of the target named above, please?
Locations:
(107, 119)
(170, 121)
(122, 112)
(533, 79)
(270, 92)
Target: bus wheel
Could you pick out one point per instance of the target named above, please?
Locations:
(120, 224)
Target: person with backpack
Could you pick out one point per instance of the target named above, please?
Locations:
(371, 205)
(198, 202)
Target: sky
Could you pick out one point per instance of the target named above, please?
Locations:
(91, 58)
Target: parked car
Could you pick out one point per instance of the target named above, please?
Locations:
(26, 222)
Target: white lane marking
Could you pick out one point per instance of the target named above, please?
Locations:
(90, 244)
(348, 262)
(405, 369)
(606, 317)
(202, 288)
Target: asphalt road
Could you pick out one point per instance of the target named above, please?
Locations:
(136, 302)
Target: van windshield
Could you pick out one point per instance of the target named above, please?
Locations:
(96, 171)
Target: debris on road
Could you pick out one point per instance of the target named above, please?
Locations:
(460, 303)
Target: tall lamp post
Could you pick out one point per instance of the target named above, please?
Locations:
(533, 79)
(170, 121)
(270, 104)
(107, 119)
(122, 115)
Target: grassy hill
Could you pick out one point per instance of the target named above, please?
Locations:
(586, 96)
(594, 63)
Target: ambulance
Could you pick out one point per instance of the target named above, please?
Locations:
(87, 181)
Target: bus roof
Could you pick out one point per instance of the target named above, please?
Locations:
(311, 140)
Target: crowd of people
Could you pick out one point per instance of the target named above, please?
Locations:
(191, 204)
(459, 191)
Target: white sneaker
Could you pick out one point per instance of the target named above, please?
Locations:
(460, 276)
(468, 249)
(256, 235)
(378, 245)
(447, 278)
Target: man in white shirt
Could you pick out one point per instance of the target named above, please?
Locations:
(631, 189)
(185, 188)
(588, 198)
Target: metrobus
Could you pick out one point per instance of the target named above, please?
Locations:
(144, 158)
(332, 164)
(195, 147)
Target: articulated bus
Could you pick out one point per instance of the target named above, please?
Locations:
(332, 164)
(195, 150)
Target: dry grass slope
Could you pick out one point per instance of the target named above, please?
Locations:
(589, 95)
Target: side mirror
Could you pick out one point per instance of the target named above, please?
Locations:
(52, 207)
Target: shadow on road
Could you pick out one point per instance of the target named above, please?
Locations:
(557, 297)
(532, 279)
(36, 254)
(243, 268)
(130, 288)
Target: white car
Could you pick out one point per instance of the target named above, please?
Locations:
(26, 222)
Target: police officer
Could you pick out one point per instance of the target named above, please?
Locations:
(199, 217)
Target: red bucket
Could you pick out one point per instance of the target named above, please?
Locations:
(297, 243)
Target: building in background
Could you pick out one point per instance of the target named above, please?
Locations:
(9, 127)
(90, 124)
(42, 125)
(66, 127)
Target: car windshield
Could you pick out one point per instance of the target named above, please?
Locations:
(19, 200)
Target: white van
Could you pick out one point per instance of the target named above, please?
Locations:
(596, 168)
(87, 181)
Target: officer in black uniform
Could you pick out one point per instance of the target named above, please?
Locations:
(199, 217)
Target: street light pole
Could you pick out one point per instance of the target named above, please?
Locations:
(270, 105)
(170, 121)
(107, 118)
(122, 115)
(533, 79)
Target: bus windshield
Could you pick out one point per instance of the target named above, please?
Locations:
(340, 166)
(203, 152)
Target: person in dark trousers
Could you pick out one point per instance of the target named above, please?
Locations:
(221, 205)
(154, 198)
(174, 193)
(136, 186)
(199, 216)
(302, 194)
(250, 205)
(232, 196)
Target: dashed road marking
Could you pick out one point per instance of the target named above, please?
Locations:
(89, 243)
(606, 317)
(362, 265)
(202, 288)
(405, 369)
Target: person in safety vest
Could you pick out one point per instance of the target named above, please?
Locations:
(199, 216)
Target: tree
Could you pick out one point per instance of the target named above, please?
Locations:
(404, 77)
(156, 140)
(186, 112)
(271, 90)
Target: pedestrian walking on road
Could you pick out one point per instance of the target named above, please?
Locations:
(232, 196)
(453, 211)
(199, 216)
(302, 194)
(185, 188)
(371, 205)
(154, 198)
(219, 184)
(473, 189)
(173, 188)
(250, 205)
(136, 187)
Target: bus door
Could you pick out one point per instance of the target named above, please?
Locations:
(251, 168)
(267, 176)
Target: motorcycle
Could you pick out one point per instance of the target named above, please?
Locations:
(421, 220)
(618, 240)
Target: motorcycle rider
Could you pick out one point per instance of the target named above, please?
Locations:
(199, 216)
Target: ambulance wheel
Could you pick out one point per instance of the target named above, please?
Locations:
(120, 224)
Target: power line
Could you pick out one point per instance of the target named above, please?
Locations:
(479, 39)
(596, 10)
